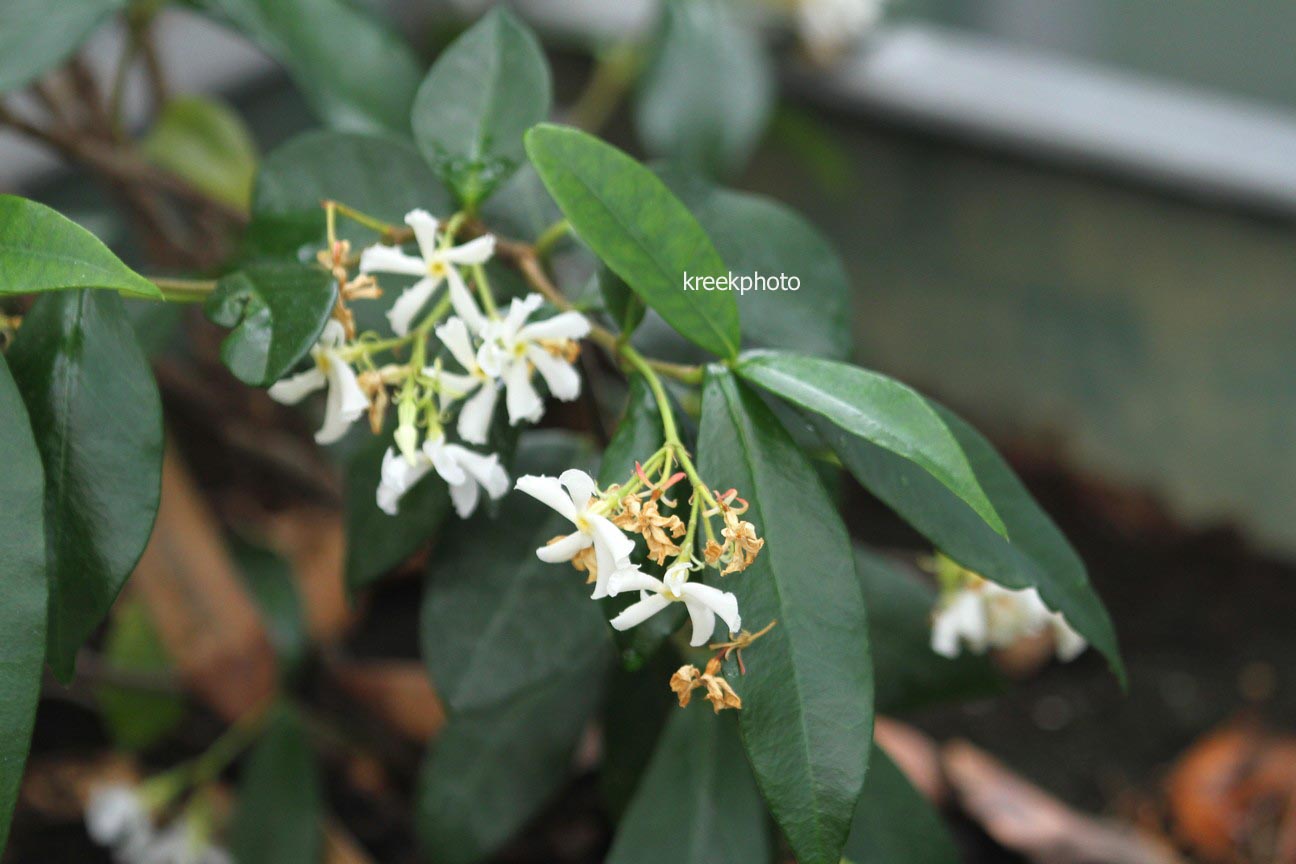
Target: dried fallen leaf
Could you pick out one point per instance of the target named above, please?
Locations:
(57, 787)
(917, 755)
(204, 616)
(1027, 820)
(396, 691)
(313, 540)
(341, 848)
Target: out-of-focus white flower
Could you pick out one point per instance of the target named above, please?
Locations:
(703, 602)
(182, 842)
(576, 503)
(475, 415)
(828, 27)
(982, 614)
(432, 265)
(116, 816)
(346, 401)
(465, 472)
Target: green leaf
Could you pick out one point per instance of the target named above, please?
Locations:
(497, 620)
(640, 230)
(909, 674)
(42, 250)
(697, 803)
(280, 799)
(355, 72)
(712, 127)
(37, 35)
(634, 715)
(377, 541)
(276, 312)
(755, 234)
(807, 696)
(22, 614)
(492, 769)
(875, 409)
(894, 824)
(208, 144)
(638, 437)
(270, 581)
(625, 306)
(136, 717)
(1034, 553)
(487, 88)
(98, 423)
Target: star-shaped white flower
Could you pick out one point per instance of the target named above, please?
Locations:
(511, 348)
(432, 265)
(346, 401)
(983, 614)
(703, 602)
(465, 472)
(576, 502)
(116, 816)
(475, 415)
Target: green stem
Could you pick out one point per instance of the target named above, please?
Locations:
(484, 290)
(616, 71)
(550, 236)
(184, 290)
(371, 222)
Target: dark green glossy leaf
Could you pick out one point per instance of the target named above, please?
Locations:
(270, 581)
(875, 409)
(634, 715)
(43, 250)
(355, 72)
(377, 541)
(493, 768)
(712, 126)
(98, 423)
(275, 312)
(894, 824)
(136, 717)
(626, 307)
(487, 88)
(1034, 553)
(697, 804)
(37, 35)
(639, 229)
(908, 673)
(207, 143)
(22, 612)
(637, 438)
(278, 818)
(497, 620)
(807, 696)
(758, 235)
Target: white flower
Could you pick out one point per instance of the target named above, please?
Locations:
(183, 842)
(511, 348)
(982, 615)
(611, 548)
(465, 472)
(346, 401)
(116, 816)
(703, 602)
(475, 415)
(433, 264)
(827, 27)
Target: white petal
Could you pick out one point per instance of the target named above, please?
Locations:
(346, 401)
(703, 618)
(397, 477)
(548, 491)
(443, 459)
(564, 549)
(523, 402)
(412, 299)
(562, 378)
(333, 334)
(519, 310)
(465, 496)
(486, 469)
(567, 325)
(611, 549)
(454, 335)
(580, 486)
(633, 579)
(723, 603)
(297, 387)
(390, 259)
(425, 228)
(113, 813)
(462, 301)
(637, 613)
(475, 251)
(1067, 642)
(475, 415)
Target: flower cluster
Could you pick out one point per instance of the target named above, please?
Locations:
(980, 614)
(495, 354)
(121, 818)
(601, 548)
